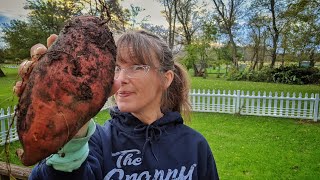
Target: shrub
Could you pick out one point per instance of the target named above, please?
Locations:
(284, 74)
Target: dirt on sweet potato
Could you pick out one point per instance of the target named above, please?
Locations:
(67, 87)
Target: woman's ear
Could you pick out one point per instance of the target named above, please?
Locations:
(169, 75)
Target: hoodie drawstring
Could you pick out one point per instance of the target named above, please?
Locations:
(152, 133)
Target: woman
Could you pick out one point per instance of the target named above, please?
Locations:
(146, 137)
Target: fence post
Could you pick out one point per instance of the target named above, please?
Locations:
(238, 102)
(2, 133)
(316, 108)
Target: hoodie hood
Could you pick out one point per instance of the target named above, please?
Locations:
(132, 127)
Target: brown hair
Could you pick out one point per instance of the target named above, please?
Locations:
(143, 47)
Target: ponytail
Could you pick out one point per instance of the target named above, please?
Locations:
(176, 97)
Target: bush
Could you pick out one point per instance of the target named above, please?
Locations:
(285, 74)
(234, 74)
(296, 75)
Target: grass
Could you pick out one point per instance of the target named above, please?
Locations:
(7, 97)
(250, 147)
(245, 147)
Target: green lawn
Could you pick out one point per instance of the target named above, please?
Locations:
(7, 98)
(248, 147)
(245, 147)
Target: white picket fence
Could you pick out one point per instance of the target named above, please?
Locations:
(259, 104)
(6, 119)
(233, 102)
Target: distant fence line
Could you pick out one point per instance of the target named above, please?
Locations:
(259, 104)
(11, 66)
(232, 102)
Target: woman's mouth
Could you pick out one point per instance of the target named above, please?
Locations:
(124, 93)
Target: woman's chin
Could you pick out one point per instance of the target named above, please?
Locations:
(123, 108)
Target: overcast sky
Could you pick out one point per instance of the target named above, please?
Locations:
(151, 7)
(13, 9)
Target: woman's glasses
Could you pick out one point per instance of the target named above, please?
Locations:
(135, 71)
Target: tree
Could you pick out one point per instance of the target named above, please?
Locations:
(49, 16)
(276, 23)
(304, 37)
(20, 37)
(45, 18)
(275, 34)
(284, 43)
(258, 33)
(200, 50)
(227, 15)
(2, 56)
(171, 16)
(119, 15)
(133, 14)
(189, 15)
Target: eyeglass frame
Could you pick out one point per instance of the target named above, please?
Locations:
(146, 69)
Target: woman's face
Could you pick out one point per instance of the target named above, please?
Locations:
(140, 94)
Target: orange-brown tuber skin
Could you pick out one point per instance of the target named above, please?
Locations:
(66, 88)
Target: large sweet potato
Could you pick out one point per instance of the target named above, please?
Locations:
(67, 87)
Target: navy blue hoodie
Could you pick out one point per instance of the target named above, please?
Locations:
(125, 148)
